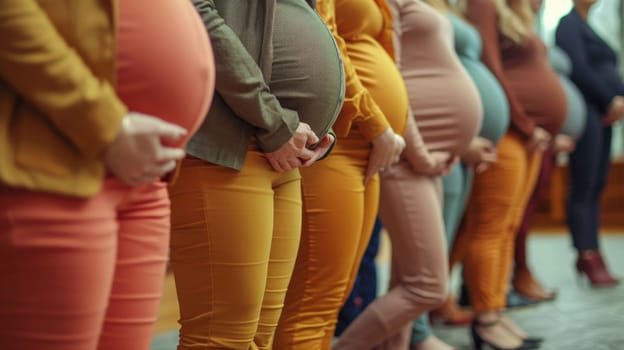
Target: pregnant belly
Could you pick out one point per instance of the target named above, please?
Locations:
(447, 109)
(307, 74)
(541, 95)
(379, 74)
(165, 64)
(495, 106)
(577, 110)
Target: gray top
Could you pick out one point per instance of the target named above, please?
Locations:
(577, 112)
(560, 61)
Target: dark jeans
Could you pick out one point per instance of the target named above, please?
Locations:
(589, 168)
(365, 287)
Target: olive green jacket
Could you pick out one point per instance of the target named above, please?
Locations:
(241, 33)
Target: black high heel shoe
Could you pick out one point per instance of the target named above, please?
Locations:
(478, 341)
(527, 340)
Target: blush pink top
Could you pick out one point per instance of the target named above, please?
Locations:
(165, 65)
(444, 100)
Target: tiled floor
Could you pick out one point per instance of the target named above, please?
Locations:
(580, 319)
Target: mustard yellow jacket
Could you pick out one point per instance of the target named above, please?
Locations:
(58, 107)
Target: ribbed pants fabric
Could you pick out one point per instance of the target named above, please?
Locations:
(234, 242)
(82, 274)
(339, 214)
(495, 208)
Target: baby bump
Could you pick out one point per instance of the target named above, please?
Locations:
(381, 77)
(495, 106)
(545, 102)
(307, 74)
(577, 110)
(447, 109)
(165, 65)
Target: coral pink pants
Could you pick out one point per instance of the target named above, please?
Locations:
(82, 274)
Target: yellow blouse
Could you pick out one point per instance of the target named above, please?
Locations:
(359, 106)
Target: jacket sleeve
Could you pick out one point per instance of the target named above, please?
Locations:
(359, 107)
(38, 64)
(241, 83)
(484, 17)
(569, 37)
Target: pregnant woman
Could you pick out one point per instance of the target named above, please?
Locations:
(447, 110)
(518, 58)
(595, 73)
(523, 280)
(84, 218)
(458, 183)
(341, 193)
(236, 207)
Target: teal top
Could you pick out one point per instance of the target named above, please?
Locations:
(495, 107)
(577, 111)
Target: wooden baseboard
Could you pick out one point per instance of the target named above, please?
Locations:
(551, 210)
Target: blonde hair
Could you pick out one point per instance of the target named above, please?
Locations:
(515, 19)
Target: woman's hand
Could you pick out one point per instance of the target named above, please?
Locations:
(563, 144)
(295, 152)
(480, 154)
(320, 149)
(615, 111)
(387, 149)
(138, 155)
(440, 165)
(540, 140)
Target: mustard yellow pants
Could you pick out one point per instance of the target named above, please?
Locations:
(339, 214)
(234, 242)
(495, 208)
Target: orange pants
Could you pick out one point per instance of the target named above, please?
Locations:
(82, 274)
(339, 214)
(234, 242)
(497, 202)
